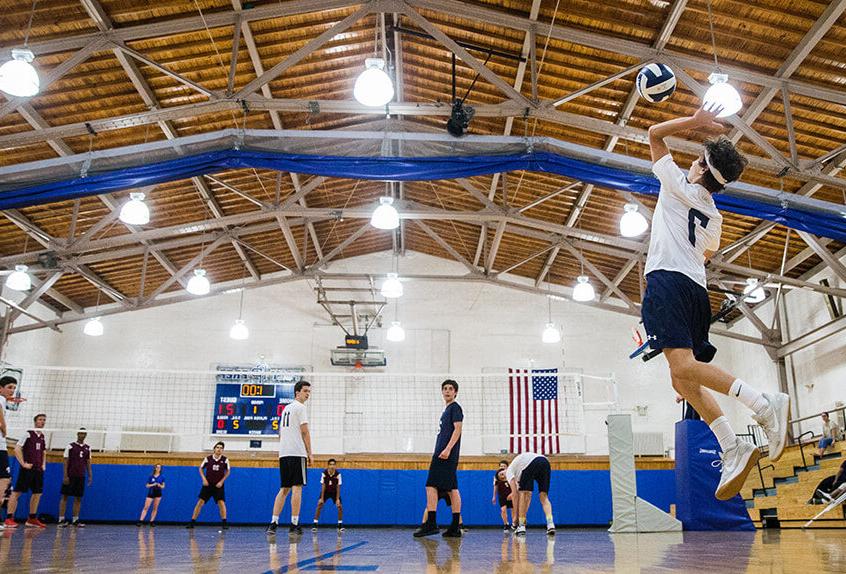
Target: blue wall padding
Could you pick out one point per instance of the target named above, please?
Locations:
(402, 169)
(372, 497)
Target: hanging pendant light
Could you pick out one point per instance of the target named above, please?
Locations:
(551, 334)
(18, 76)
(93, 327)
(396, 333)
(583, 291)
(392, 287)
(239, 330)
(373, 87)
(633, 223)
(385, 216)
(135, 211)
(754, 292)
(19, 279)
(721, 93)
(199, 283)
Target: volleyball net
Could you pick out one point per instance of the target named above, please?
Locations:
(359, 412)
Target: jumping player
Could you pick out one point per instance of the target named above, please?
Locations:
(444, 466)
(294, 455)
(214, 470)
(75, 463)
(330, 489)
(676, 311)
(524, 471)
(502, 494)
(155, 485)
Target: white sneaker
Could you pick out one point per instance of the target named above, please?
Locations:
(550, 529)
(521, 531)
(737, 462)
(774, 423)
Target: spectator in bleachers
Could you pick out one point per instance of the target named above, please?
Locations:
(838, 486)
(830, 433)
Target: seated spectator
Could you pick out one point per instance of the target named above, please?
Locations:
(829, 434)
(833, 486)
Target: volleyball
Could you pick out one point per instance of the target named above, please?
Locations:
(656, 83)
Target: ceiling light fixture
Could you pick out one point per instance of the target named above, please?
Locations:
(374, 87)
(199, 283)
(93, 327)
(18, 77)
(239, 330)
(632, 223)
(19, 279)
(583, 291)
(135, 211)
(396, 333)
(753, 292)
(385, 216)
(721, 93)
(392, 287)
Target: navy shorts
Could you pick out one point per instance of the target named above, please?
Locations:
(219, 494)
(5, 471)
(443, 474)
(537, 471)
(676, 313)
(74, 487)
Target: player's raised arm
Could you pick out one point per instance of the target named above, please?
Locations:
(703, 118)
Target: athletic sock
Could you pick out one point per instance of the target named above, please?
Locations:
(431, 518)
(725, 436)
(749, 396)
(223, 520)
(32, 517)
(456, 519)
(76, 518)
(274, 519)
(295, 520)
(549, 521)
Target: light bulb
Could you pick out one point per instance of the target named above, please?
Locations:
(135, 211)
(392, 287)
(385, 216)
(551, 334)
(199, 283)
(723, 94)
(373, 87)
(583, 291)
(18, 76)
(395, 332)
(93, 327)
(19, 279)
(633, 223)
(239, 331)
(754, 292)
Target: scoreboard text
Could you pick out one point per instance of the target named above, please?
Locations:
(250, 408)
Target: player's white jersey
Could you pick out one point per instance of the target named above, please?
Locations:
(2, 436)
(685, 224)
(290, 436)
(519, 464)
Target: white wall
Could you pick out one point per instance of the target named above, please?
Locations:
(452, 327)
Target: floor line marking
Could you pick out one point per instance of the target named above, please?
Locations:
(302, 563)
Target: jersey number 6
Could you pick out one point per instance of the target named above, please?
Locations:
(692, 216)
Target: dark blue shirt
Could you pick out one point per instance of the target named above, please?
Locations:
(451, 415)
(155, 480)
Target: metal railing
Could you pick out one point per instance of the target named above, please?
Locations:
(802, 447)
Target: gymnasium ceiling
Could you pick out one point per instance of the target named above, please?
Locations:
(107, 59)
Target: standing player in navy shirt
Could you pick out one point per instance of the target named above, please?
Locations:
(676, 311)
(214, 470)
(155, 485)
(444, 466)
(76, 463)
(33, 462)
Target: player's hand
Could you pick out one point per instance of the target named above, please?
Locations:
(27, 465)
(706, 116)
(205, 482)
(219, 484)
(493, 500)
(310, 461)
(90, 481)
(17, 400)
(66, 480)
(444, 454)
(510, 497)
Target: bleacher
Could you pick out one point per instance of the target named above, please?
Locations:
(783, 498)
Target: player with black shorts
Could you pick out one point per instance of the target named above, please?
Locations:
(676, 311)
(75, 464)
(7, 391)
(214, 470)
(330, 489)
(502, 494)
(33, 462)
(294, 455)
(155, 485)
(443, 470)
(524, 471)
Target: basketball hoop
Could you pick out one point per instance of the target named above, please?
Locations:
(357, 372)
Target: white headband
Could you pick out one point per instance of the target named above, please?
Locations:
(717, 175)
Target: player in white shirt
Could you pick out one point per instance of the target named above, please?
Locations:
(524, 471)
(294, 452)
(676, 311)
(7, 391)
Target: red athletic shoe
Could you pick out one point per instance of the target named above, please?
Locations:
(35, 523)
(10, 523)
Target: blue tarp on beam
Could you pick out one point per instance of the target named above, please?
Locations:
(403, 169)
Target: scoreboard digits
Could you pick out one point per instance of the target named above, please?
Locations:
(249, 408)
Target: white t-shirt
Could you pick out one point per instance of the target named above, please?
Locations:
(685, 224)
(519, 464)
(290, 437)
(3, 410)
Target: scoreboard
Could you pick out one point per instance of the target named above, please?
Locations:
(250, 401)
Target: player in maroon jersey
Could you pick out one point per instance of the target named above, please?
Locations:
(76, 463)
(214, 470)
(330, 489)
(33, 462)
(502, 493)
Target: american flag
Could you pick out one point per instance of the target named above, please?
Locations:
(534, 410)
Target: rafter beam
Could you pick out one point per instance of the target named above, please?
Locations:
(500, 230)
(622, 274)
(295, 179)
(292, 243)
(547, 265)
(823, 253)
(446, 246)
(222, 238)
(599, 275)
(340, 247)
(36, 294)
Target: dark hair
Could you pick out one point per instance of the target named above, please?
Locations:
(725, 158)
(220, 442)
(505, 462)
(160, 469)
(825, 414)
(331, 460)
(450, 382)
(38, 415)
(300, 384)
(7, 380)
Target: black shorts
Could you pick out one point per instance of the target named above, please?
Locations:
(503, 501)
(154, 493)
(292, 471)
(5, 471)
(443, 474)
(333, 496)
(30, 479)
(210, 491)
(444, 495)
(538, 471)
(676, 313)
(74, 487)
